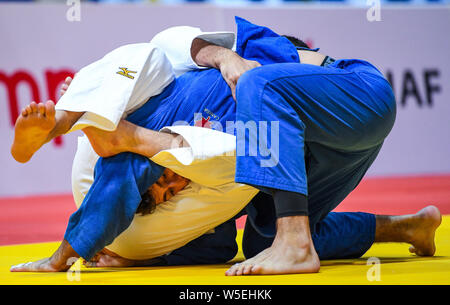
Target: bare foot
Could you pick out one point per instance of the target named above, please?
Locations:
(32, 130)
(292, 251)
(423, 228)
(279, 259)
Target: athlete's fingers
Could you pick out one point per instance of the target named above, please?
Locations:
(232, 86)
(233, 91)
(62, 92)
(90, 264)
(21, 267)
(95, 258)
(16, 268)
(64, 88)
(107, 261)
(68, 80)
(65, 85)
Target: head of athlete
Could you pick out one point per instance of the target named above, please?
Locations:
(167, 186)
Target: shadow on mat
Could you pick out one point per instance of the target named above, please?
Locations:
(149, 268)
(323, 263)
(383, 260)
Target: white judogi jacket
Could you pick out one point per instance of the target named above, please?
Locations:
(120, 83)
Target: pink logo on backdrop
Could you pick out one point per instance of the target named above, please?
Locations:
(53, 79)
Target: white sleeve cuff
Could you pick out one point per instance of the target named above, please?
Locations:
(209, 160)
(177, 41)
(204, 143)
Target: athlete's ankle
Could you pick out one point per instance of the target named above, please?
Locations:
(64, 121)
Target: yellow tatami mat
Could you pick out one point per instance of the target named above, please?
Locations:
(397, 266)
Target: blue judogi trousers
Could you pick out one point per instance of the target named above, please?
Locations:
(331, 123)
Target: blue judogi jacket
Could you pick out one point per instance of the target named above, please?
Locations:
(110, 205)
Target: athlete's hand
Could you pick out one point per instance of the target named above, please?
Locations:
(66, 85)
(107, 258)
(61, 260)
(43, 265)
(232, 66)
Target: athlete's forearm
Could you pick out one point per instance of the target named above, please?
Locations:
(209, 55)
(230, 64)
(148, 142)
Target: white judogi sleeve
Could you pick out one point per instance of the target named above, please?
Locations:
(116, 85)
(176, 43)
(124, 79)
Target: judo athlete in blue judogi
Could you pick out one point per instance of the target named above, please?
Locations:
(348, 107)
(330, 122)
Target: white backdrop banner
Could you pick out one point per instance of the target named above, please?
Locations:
(41, 44)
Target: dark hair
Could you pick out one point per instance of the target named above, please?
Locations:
(147, 205)
(296, 42)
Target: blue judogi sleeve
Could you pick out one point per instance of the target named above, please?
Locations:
(260, 43)
(110, 205)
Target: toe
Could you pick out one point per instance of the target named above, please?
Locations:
(232, 270)
(41, 108)
(257, 269)
(240, 269)
(50, 109)
(247, 269)
(33, 107)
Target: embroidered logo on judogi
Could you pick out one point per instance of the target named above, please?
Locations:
(125, 72)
